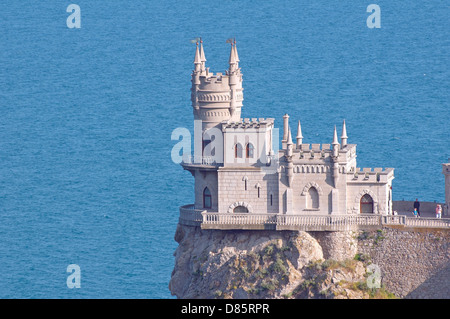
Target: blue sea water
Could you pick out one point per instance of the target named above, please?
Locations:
(86, 117)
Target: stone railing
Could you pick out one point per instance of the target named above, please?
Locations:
(427, 222)
(326, 222)
(239, 221)
(199, 160)
(212, 220)
(190, 216)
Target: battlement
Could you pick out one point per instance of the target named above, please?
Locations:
(368, 174)
(247, 123)
(314, 147)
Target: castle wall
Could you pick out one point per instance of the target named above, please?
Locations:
(378, 192)
(297, 194)
(232, 190)
(206, 179)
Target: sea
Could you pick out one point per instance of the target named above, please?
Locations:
(87, 114)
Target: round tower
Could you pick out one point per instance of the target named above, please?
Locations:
(216, 97)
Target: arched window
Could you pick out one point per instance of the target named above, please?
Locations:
(206, 198)
(238, 151)
(312, 198)
(366, 204)
(249, 150)
(240, 209)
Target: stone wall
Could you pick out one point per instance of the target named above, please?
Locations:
(414, 263)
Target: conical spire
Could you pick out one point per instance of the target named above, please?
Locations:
(289, 137)
(344, 136)
(232, 59)
(197, 59)
(236, 56)
(202, 53)
(299, 135)
(335, 138)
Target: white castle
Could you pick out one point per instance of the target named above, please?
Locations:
(238, 172)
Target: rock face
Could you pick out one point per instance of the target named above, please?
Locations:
(411, 263)
(259, 264)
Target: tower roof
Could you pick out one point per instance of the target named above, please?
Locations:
(232, 59)
(344, 131)
(202, 53)
(299, 130)
(335, 138)
(289, 137)
(197, 58)
(236, 56)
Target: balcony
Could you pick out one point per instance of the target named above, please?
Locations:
(226, 221)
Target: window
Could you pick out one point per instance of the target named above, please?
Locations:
(240, 209)
(271, 199)
(238, 151)
(249, 150)
(312, 199)
(259, 192)
(366, 204)
(206, 198)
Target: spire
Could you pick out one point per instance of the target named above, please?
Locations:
(236, 56)
(344, 136)
(335, 144)
(197, 59)
(202, 53)
(299, 135)
(335, 138)
(289, 137)
(232, 59)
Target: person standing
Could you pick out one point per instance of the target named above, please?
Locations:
(438, 211)
(417, 206)
(415, 212)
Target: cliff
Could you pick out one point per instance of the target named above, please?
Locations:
(412, 263)
(260, 264)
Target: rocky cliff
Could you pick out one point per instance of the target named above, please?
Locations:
(267, 264)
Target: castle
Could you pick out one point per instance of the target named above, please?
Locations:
(238, 169)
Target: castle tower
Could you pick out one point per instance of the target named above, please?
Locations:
(216, 97)
(446, 172)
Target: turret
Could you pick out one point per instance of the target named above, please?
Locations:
(290, 165)
(216, 97)
(299, 135)
(344, 135)
(335, 158)
(285, 131)
(335, 144)
(202, 57)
